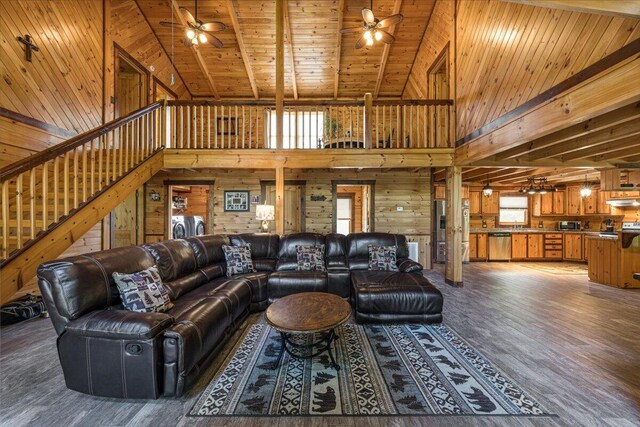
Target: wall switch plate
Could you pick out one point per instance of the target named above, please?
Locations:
(399, 208)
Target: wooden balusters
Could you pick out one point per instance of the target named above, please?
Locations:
(19, 213)
(32, 203)
(45, 196)
(5, 219)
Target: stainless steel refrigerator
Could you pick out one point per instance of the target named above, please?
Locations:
(441, 227)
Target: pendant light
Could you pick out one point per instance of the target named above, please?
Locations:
(585, 191)
(487, 190)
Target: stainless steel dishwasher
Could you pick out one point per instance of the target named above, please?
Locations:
(499, 246)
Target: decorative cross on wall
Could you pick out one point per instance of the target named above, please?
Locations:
(29, 46)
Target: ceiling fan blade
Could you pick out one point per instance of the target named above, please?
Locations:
(213, 39)
(171, 24)
(187, 15)
(390, 20)
(361, 42)
(386, 37)
(350, 30)
(368, 16)
(214, 26)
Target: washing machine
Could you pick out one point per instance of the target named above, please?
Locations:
(178, 227)
(194, 225)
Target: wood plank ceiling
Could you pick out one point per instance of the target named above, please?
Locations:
(319, 62)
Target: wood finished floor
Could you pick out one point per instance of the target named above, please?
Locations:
(574, 345)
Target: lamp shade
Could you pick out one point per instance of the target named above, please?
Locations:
(265, 212)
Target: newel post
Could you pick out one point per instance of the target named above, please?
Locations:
(368, 120)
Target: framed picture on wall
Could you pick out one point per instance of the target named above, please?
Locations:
(226, 126)
(236, 201)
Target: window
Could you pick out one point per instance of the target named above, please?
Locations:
(301, 129)
(513, 210)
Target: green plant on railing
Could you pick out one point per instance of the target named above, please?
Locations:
(332, 128)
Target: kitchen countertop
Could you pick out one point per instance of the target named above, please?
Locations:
(531, 231)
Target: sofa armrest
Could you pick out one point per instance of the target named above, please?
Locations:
(120, 324)
(407, 265)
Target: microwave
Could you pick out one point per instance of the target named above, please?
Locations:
(569, 225)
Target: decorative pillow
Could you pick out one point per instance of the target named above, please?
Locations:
(382, 258)
(143, 291)
(310, 258)
(238, 259)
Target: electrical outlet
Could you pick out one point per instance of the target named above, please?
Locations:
(399, 208)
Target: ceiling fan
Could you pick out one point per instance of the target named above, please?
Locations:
(374, 28)
(197, 31)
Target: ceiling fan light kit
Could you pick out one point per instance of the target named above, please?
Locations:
(373, 29)
(197, 31)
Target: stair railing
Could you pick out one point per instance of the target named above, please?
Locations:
(42, 189)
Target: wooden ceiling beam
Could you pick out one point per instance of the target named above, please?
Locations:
(595, 140)
(336, 72)
(289, 43)
(623, 151)
(544, 163)
(243, 51)
(613, 118)
(199, 60)
(605, 151)
(623, 8)
(385, 52)
(606, 91)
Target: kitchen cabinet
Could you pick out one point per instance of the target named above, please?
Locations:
(573, 201)
(518, 246)
(552, 203)
(478, 246)
(490, 205)
(572, 246)
(585, 248)
(440, 192)
(553, 246)
(475, 202)
(603, 207)
(535, 246)
(589, 204)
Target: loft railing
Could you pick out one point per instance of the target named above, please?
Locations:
(42, 189)
(204, 124)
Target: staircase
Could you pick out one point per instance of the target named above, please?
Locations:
(52, 198)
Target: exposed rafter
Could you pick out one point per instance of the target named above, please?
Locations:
(385, 52)
(196, 52)
(336, 75)
(289, 43)
(243, 51)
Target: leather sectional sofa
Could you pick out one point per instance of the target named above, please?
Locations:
(105, 350)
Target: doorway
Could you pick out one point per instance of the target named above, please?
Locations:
(294, 203)
(130, 90)
(353, 206)
(190, 209)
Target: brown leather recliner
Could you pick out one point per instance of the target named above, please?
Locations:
(105, 350)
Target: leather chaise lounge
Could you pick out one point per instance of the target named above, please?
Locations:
(105, 350)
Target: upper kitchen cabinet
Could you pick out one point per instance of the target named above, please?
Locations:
(490, 205)
(573, 201)
(552, 203)
(475, 202)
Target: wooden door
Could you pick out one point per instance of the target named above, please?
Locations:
(491, 204)
(475, 203)
(473, 246)
(126, 222)
(573, 201)
(546, 204)
(293, 206)
(572, 246)
(559, 202)
(535, 245)
(482, 246)
(518, 246)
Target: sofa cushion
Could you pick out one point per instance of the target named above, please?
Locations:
(72, 287)
(387, 292)
(382, 258)
(310, 258)
(357, 247)
(208, 249)
(143, 291)
(120, 324)
(258, 281)
(288, 253)
(264, 248)
(174, 258)
(238, 259)
(283, 283)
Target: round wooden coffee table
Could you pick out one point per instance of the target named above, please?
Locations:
(308, 313)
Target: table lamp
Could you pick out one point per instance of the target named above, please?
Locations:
(265, 213)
